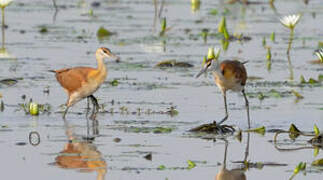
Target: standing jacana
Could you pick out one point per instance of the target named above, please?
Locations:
(82, 82)
(228, 75)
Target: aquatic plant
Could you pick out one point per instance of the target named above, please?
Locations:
(3, 5)
(319, 54)
(195, 5)
(300, 167)
(290, 22)
(222, 28)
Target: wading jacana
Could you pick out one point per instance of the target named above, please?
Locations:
(82, 82)
(228, 75)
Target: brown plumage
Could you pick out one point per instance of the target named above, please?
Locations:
(82, 82)
(228, 75)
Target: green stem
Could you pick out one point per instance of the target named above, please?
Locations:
(3, 27)
(291, 37)
(290, 67)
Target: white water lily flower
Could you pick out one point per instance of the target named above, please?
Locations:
(319, 54)
(213, 53)
(5, 3)
(290, 21)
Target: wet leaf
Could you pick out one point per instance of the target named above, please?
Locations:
(161, 167)
(103, 33)
(9, 82)
(312, 81)
(148, 156)
(115, 82)
(222, 25)
(316, 151)
(264, 42)
(318, 162)
(213, 12)
(302, 79)
(294, 132)
(191, 164)
(272, 36)
(298, 95)
(316, 130)
(261, 130)
(33, 109)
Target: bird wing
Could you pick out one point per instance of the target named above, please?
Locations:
(234, 69)
(71, 79)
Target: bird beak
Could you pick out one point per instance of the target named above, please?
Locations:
(203, 70)
(111, 55)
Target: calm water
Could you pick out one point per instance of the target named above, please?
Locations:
(71, 41)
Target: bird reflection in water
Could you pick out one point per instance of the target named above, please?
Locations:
(80, 153)
(234, 174)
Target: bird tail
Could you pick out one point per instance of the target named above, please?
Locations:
(244, 62)
(53, 71)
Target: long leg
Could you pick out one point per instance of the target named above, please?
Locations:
(247, 107)
(95, 103)
(226, 108)
(64, 114)
(95, 106)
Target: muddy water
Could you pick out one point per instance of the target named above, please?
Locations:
(123, 139)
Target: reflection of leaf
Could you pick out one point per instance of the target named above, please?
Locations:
(316, 130)
(316, 151)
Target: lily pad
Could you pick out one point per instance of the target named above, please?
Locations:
(173, 63)
(213, 128)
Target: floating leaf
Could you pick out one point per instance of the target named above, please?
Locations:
(294, 132)
(213, 12)
(115, 82)
(161, 167)
(316, 130)
(102, 33)
(312, 81)
(261, 130)
(298, 95)
(302, 79)
(318, 162)
(191, 164)
(43, 29)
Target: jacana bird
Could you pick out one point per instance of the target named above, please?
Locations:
(82, 82)
(228, 75)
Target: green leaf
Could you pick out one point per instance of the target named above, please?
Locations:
(272, 36)
(114, 82)
(316, 130)
(191, 164)
(222, 25)
(210, 53)
(298, 95)
(213, 12)
(226, 33)
(316, 151)
(312, 81)
(261, 130)
(264, 42)
(318, 162)
(268, 56)
(33, 109)
(102, 33)
(161, 167)
(294, 132)
(163, 24)
(302, 79)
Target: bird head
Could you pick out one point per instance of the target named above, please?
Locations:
(106, 53)
(209, 60)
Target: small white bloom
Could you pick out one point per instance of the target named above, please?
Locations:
(213, 53)
(319, 54)
(5, 3)
(290, 21)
